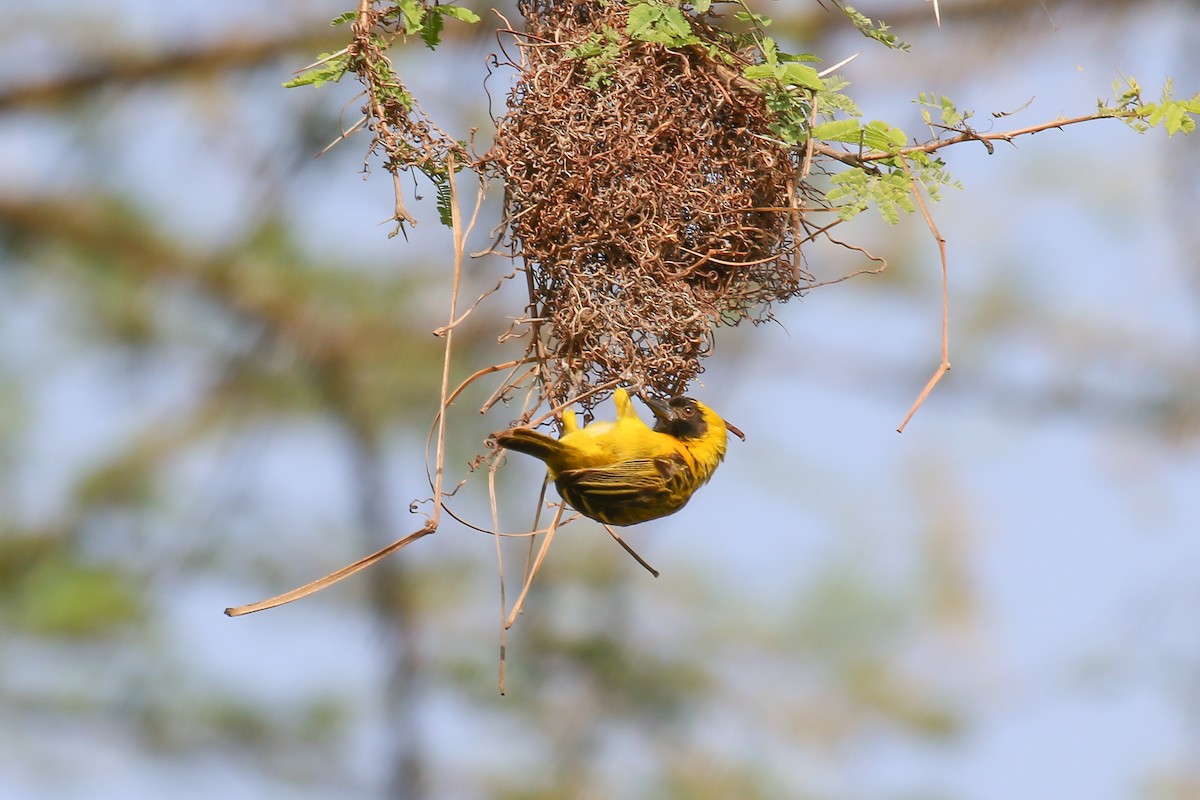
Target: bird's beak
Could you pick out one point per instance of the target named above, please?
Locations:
(661, 410)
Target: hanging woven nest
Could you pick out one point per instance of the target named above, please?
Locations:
(645, 195)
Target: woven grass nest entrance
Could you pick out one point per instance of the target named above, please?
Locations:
(645, 196)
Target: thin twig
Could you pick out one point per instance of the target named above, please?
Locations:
(943, 367)
(459, 236)
(537, 565)
(459, 245)
(500, 566)
(537, 518)
(431, 523)
(515, 363)
(631, 551)
(478, 529)
(331, 578)
(882, 262)
(360, 124)
(859, 159)
(509, 383)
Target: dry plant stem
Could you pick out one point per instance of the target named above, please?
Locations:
(511, 382)
(468, 312)
(944, 367)
(537, 518)
(503, 663)
(360, 124)
(822, 231)
(447, 332)
(431, 523)
(514, 365)
(793, 194)
(537, 565)
(479, 195)
(401, 212)
(488, 532)
(331, 578)
(435, 426)
(870, 256)
(459, 246)
(631, 551)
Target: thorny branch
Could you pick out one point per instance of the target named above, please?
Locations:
(862, 159)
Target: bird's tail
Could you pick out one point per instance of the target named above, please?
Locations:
(530, 442)
(624, 405)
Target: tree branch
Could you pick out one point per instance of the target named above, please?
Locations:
(119, 69)
(862, 159)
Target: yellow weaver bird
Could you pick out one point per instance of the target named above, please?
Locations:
(625, 472)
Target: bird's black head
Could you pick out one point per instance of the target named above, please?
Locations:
(681, 417)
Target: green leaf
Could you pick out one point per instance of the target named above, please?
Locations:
(413, 12)
(753, 19)
(660, 24)
(1176, 116)
(890, 192)
(949, 114)
(876, 135)
(588, 48)
(799, 75)
(759, 72)
(444, 200)
(431, 31)
(832, 101)
(598, 53)
(871, 29)
(434, 22)
(642, 18)
(888, 185)
(806, 57)
(783, 67)
(882, 136)
(330, 67)
(770, 52)
(675, 23)
(458, 12)
(839, 130)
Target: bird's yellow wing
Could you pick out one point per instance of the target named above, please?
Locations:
(630, 491)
